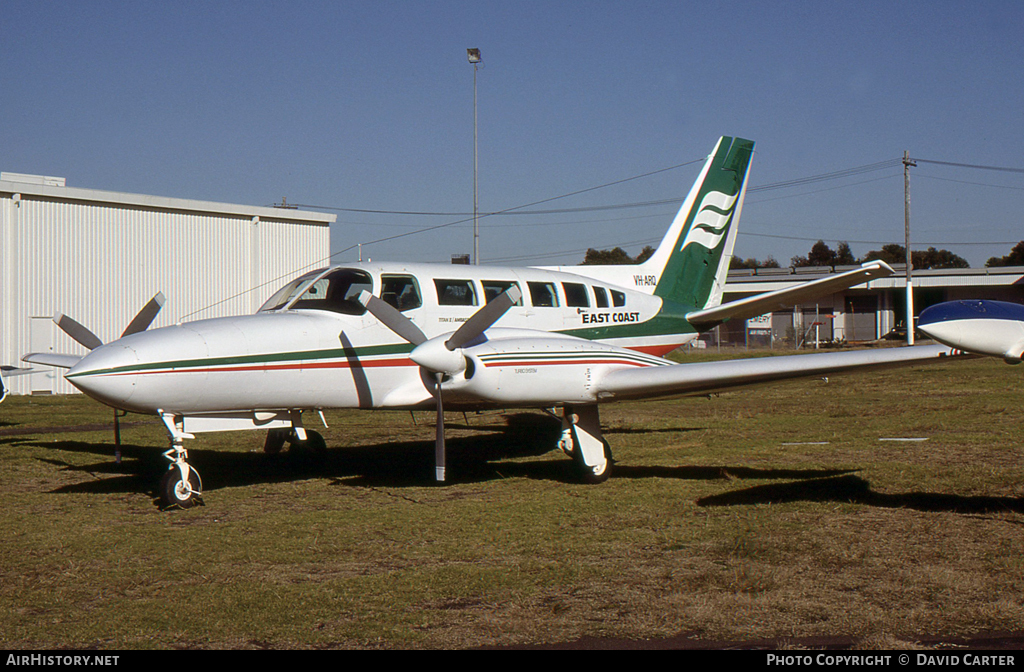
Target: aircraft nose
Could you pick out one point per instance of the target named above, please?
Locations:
(107, 374)
(944, 332)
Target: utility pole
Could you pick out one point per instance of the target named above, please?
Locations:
(474, 57)
(907, 164)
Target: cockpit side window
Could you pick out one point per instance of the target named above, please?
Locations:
(286, 294)
(335, 291)
(401, 291)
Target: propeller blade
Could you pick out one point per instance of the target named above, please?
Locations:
(145, 317)
(482, 319)
(77, 331)
(392, 318)
(439, 440)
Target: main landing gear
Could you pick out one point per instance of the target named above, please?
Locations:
(309, 440)
(582, 441)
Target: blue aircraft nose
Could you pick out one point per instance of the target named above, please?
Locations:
(971, 309)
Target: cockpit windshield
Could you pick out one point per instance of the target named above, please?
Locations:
(335, 290)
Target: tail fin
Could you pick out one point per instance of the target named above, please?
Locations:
(692, 260)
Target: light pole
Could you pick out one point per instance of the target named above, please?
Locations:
(474, 57)
(907, 164)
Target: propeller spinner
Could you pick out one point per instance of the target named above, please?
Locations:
(441, 356)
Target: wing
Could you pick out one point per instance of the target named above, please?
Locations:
(52, 359)
(705, 377)
(11, 371)
(760, 304)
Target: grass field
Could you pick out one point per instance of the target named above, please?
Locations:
(780, 512)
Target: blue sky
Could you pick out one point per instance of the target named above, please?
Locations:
(369, 106)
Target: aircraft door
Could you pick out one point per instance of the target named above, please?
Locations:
(41, 340)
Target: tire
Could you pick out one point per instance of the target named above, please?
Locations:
(275, 441)
(314, 443)
(172, 492)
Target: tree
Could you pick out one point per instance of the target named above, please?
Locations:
(932, 258)
(737, 262)
(617, 256)
(1014, 258)
(823, 255)
(890, 254)
(921, 259)
(844, 255)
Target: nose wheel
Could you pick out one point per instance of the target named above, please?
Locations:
(180, 485)
(181, 490)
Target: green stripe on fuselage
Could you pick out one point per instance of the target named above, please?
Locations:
(267, 358)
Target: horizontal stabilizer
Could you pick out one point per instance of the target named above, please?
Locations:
(705, 377)
(760, 304)
(15, 371)
(52, 359)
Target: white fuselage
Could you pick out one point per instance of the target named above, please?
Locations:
(294, 356)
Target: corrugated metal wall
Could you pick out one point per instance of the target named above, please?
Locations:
(100, 262)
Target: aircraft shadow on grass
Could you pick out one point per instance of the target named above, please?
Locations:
(486, 456)
(481, 458)
(854, 489)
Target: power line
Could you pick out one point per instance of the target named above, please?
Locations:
(971, 165)
(866, 242)
(520, 209)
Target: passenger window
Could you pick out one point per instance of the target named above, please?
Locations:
(543, 295)
(618, 299)
(601, 297)
(455, 293)
(576, 295)
(401, 291)
(495, 288)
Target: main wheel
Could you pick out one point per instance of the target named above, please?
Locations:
(275, 440)
(174, 491)
(314, 442)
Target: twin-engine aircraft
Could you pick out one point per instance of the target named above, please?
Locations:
(414, 336)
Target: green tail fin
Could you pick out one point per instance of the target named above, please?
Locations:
(692, 260)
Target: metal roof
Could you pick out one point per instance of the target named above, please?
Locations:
(46, 188)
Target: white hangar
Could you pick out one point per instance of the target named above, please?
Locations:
(99, 256)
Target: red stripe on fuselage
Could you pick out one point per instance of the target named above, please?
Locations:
(276, 367)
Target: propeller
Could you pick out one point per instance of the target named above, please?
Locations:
(84, 336)
(140, 322)
(441, 356)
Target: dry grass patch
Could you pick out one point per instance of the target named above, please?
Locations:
(766, 514)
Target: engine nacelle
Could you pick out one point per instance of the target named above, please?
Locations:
(540, 370)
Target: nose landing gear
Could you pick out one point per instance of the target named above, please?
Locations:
(180, 485)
